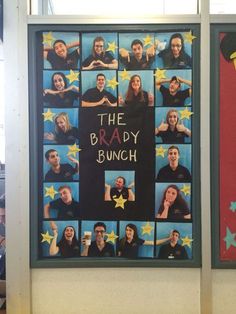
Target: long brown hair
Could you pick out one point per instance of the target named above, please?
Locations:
(130, 91)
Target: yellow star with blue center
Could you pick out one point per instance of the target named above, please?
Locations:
(46, 237)
(48, 39)
(185, 114)
(112, 47)
(160, 74)
(111, 237)
(73, 150)
(186, 189)
(51, 192)
(48, 115)
(112, 83)
(147, 229)
(120, 201)
(160, 151)
(186, 241)
(188, 38)
(73, 76)
(147, 40)
(124, 75)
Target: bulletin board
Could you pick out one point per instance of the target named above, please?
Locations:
(223, 170)
(114, 145)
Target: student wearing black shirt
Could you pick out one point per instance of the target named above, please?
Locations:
(173, 250)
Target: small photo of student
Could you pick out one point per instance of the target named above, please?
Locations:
(64, 239)
(172, 52)
(137, 91)
(100, 51)
(58, 92)
(169, 128)
(175, 90)
(96, 90)
(61, 51)
(58, 166)
(136, 51)
(171, 203)
(119, 184)
(98, 238)
(61, 200)
(136, 239)
(179, 235)
(176, 164)
(64, 127)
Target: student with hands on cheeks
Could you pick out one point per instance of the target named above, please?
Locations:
(173, 130)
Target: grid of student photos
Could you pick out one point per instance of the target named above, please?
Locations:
(117, 150)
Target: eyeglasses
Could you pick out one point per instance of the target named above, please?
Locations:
(99, 231)
(99, 46)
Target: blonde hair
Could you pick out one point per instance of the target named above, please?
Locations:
(65, 117)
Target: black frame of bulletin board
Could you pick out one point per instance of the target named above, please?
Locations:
(145, 217)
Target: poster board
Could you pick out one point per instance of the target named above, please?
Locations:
(119, 187)
(223, 173)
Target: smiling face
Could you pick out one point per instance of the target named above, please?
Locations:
(137, 51)
(58, 82)
(66, 196)
(60, 50)
(176, 46)
(101, 82)
(119, 183)
(129, 233)
(136, 83)
(99, 233)
(69, 233)
(172, 118)
(171, 195)
(61, 124)
(173, 157)
(99, 47)
(174, 87)
(174, 237)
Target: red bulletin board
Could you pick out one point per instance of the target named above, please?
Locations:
(227, 148)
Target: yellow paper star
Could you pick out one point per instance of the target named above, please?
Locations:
(186, 189)
(46, 237)
(160, 151)
(120, 202)
(111, 237)
(186, 241)
(73, 76)
(185, 114)
(48, 116)
(124, 75)
(73, 150)
(147, 40)
(189, 37)
(112, 47)
(233, 57)
(50, 192)
(147, 229)
(48, 39)
(160, 74)
(112, 83)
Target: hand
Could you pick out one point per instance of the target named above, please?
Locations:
(83, 241)
(150, 99)
(180, 127)
(49, 136)
(163, 127)
(73, 87)
(75, 161)
(107, 186)
(120, 100)
(131, 185)
(124, 53)
(150, 52)
(166, 204)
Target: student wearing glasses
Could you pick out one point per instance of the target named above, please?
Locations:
(99, 247)
(100, 59)
(174, 56)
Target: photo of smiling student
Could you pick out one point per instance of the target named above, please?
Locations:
(175, 90)
(58, 92)
(64, 128)
(174, 170)
(170, 129)
(63, 53)
(98, 57)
